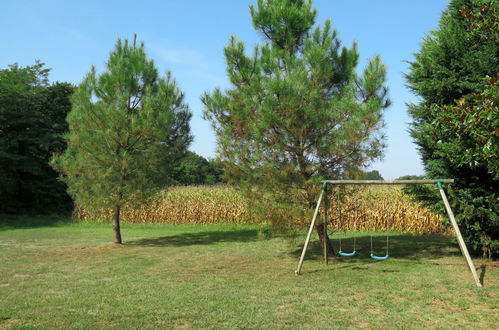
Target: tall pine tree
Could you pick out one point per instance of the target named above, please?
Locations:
(297, 112)
(125, 125)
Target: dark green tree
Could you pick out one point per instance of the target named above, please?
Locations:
(194, 169)
(456, 123)
(297, 112)
(125, 125)
(370, 175)
(32, 124)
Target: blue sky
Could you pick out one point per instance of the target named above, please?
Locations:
(187, 37)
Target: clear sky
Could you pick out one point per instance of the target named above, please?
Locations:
(187, 37)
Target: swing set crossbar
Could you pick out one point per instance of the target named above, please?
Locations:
(438, 182)
(387, 181)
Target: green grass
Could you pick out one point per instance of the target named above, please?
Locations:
(69, 275)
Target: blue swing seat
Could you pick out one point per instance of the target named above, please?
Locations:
(379, 258)
(346, 254)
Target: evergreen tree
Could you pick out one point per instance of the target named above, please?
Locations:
(125, 124)
(297, 111)
(32, 124)
(456, 123)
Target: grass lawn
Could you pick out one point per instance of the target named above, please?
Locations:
(64, 275)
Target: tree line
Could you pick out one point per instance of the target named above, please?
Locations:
(33, 128)
(298, 111)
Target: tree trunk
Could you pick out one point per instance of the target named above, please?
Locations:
(324, 237)
(116, 225)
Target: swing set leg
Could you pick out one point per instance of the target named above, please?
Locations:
(325, 227)
(462, 245)
(309, 234)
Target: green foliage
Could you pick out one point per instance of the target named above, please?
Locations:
(193, 169)
(482, 21)
(371, 175)
(284, 23)
(456, 123)
(32, 122)
(297, 111)
(469, 130)
(411, 177)
(125, 125)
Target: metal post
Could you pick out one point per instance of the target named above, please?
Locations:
(462, 245)
(312, 224)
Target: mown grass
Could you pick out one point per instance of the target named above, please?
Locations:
(69, 275)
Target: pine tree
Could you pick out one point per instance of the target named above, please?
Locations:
(456, 123)
(125, 125)
(297, 112)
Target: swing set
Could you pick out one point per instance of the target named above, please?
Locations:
(323, 199)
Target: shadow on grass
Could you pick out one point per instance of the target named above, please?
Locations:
(33, 221)
(483, 269)
(403, 246)
(202, 238)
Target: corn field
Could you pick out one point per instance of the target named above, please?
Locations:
(368, 209)
(381, 208)
(182, 205)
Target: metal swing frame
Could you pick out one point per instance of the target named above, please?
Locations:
(439, 182)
